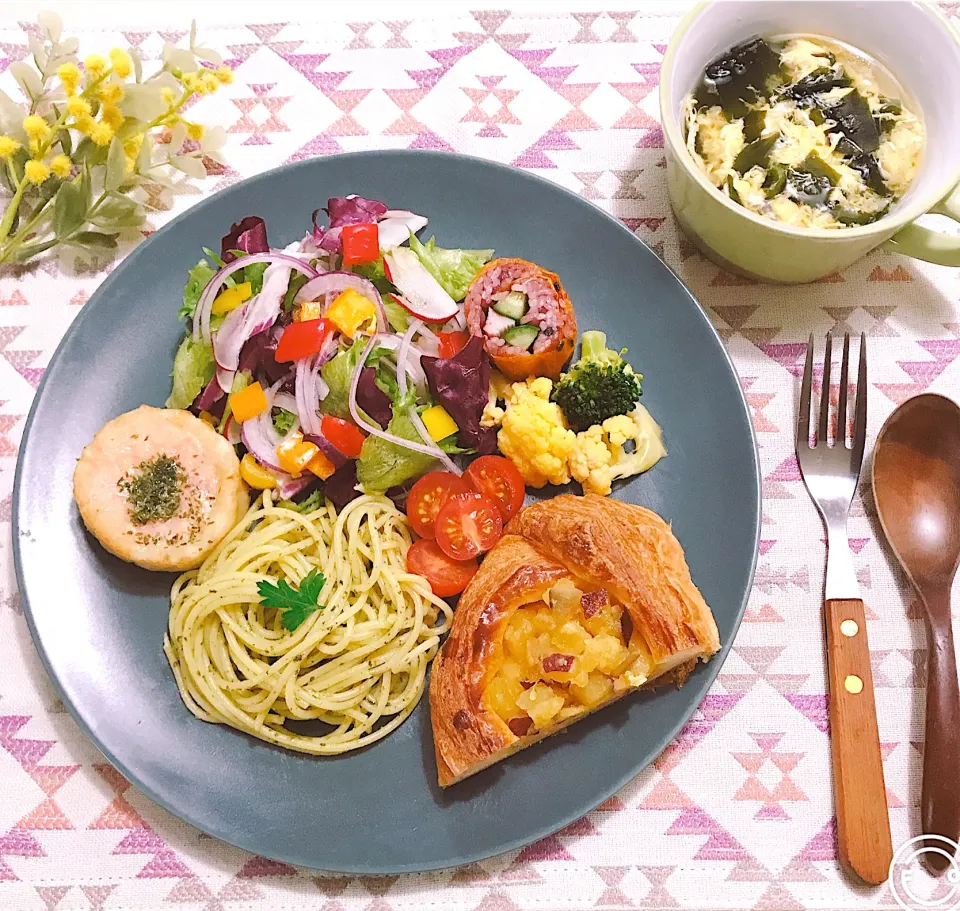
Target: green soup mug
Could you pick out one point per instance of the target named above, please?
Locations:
(914, 41)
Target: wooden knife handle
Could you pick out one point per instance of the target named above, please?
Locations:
(863, 824)
(940, 800)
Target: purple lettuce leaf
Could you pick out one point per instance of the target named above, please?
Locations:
(340, 487)
(211, 399)
(345, 210)
(372, 399)
(461, 384)
(249, 235)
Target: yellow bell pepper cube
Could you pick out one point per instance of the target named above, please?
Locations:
(208, 418)
(439, 424)
(245, 290)
(227, 300)
(255, 474)
(350, 311)
(308, 310)
(321, 466)
(248, 402)
(294, 454)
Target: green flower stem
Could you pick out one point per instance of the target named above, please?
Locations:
(15, 241)
(11, 210)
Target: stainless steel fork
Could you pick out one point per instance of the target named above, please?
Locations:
(831, 474)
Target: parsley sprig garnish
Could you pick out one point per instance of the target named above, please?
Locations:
(296, 604)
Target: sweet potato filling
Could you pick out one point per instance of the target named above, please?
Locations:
(563, 656)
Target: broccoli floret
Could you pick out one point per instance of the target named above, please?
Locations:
(599, 385)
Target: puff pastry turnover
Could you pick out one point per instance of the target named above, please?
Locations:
(583, 600)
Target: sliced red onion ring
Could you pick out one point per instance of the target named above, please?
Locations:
(429, 343)
(257, 315)
(201, 315)
(335, 282)
(327, 448)
(287, 402)
(288, 486)
(402, 354)
(307, 398)
(403, 358)
(392, 343)
(260, 436)
(376, 430)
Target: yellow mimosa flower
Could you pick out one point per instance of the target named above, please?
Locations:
(69, 74)
(95, 65)
(101, 133)
(36, 127)
(61, 166)
(36, 171)
(78, 107)
(8, 147)
(122, 65)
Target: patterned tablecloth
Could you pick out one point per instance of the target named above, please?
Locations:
(738, 812)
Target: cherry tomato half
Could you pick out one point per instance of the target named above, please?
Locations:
(360, 243)
(426, 498)
(303, 339)
(500, 480)
(347, 437)
(451, 342)
(468, 524)
(446, 577)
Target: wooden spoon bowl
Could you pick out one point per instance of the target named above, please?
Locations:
(916, 485)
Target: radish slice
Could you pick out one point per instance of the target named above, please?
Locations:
(231, 430)
(396, 226)
(420, 292)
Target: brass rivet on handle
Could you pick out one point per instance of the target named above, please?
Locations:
(849, 628)
(853, 684)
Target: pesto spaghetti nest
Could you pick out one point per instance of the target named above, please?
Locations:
(357, 661)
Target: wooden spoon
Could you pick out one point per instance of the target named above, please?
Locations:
(916, 485)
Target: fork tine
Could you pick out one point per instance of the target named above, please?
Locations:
(842, 398)
(823, 433)
(803, 416)
(860, 412)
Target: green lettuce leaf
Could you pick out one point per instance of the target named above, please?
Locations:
(283, 421)
(193, 368)
(453, 269)
(337, 374)
(383, 464)
(254, 274)
(397, 316)
(197, 279)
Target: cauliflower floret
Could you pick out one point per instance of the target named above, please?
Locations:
(533, 434)
(599, 456)
(590, 461)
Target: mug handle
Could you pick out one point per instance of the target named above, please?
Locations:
(926, 244)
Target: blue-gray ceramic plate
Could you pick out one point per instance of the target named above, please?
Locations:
(98, 623)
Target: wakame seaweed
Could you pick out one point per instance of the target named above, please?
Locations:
(742, 76)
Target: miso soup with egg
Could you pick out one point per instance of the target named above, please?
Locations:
(805, 131)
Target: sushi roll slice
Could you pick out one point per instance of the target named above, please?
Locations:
(524, 316)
